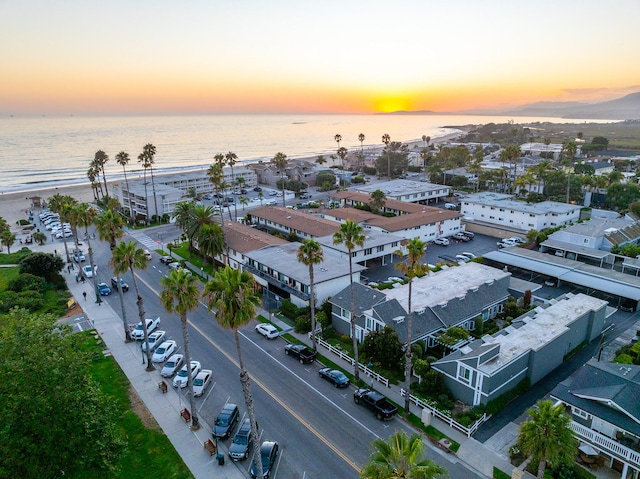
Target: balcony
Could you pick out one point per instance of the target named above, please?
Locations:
(276, 282)
(606, 444)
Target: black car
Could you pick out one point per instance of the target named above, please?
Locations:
(300, 352)
(241, 444)
(226, 421)
(166, 259)
(257, 188)
(337, 378)
(123, 283)
(268, 455)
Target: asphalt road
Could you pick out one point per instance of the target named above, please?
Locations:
(320, 430)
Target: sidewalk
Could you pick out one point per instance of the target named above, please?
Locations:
(475, 455)
(165, 408)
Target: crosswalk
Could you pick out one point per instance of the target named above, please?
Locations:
(144, 240)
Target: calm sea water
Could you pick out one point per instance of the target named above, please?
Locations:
(51, 151)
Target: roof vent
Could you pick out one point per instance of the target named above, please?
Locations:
(398, 319)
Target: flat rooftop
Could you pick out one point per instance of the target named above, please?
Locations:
(444, 285)
(401, 187)
(505, 202)
(539, 329)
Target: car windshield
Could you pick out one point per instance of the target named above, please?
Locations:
(222, 421)
(242, 440)
(197, 382)
(170, 364)
(160, 350)
(139, 327)
(183, 373)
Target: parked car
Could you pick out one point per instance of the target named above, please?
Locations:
(78, 256)
(375, 401)
(469, 234)
(268, 455)
(335, 377)
(88, 271)
(201, 382)
(166, 259)
(164, 351)
(450, 206)
(173, 364)
(441, 241)
(104, 289)
(468, 255)
(123, 284)
(518, 240)
(301, 352)
(269, 331)
(155, 339)
(138, 332)
(463, 258)
(461, 237)
(181, 378)
(506, 243)
(273, 193)
(226, 421)
(305, 196)
(242, 442)
(148, 254)
(257, 188)
(271, 202)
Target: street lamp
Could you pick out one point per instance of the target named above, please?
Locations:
(386, 139)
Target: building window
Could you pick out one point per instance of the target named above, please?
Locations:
(394, 244)
(464, 374)
(368, 251)
(380, 249)
(579, 412)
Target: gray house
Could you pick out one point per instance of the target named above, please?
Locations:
(603, 401)
(450, 297)
(531, 347)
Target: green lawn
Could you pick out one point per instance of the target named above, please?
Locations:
(6, 275)
(149, 452)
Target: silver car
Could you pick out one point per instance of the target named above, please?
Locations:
(173, 364)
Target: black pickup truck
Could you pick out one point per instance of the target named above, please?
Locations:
(375, 401)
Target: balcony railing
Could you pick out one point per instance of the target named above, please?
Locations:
(606, 444)
(276, 282)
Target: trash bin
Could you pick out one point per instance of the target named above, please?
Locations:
(220, 458)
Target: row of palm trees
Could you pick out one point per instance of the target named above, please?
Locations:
(97, 169)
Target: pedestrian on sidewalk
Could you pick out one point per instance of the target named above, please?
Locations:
(84, 293)
(77, 277)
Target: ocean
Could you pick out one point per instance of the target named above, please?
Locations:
(41, 152)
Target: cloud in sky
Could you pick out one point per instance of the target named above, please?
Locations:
(330, 56)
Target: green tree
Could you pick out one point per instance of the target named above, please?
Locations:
(8, 239)
(326, 180)
(384, 348)
(233, 294)
(55, 419)
(45, 265)
(386, 139)
(310, 253)
(60, 204)
(400, 456)
(99, 161)
(180, 295)
(210, 239)
(110, 226)
(85, 215)
(148, 155)
(546, 437)
(378, 200)
(126, 257)
(394, 158)
(342, 154)
(619, 195)
(351, 234)
(39, 237)
(123, 159)
(280, 161)
(411, 268)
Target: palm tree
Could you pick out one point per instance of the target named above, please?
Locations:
(244, 201)
(280, 160)
(546, 437)
(342, 153)
(310, 253)
(39, 237)
(321, 160)
(232, 159)
(386, 139)
(180, 295)
(413, 268)
(210, 239)
(100, 160)
(338, 139)
(378, 200)
(351, 234)
(93, 176)
(149, 152)
(361, 139)
(426, 140)
(110, 226)
(122, 159)
(58, 204)
(400, 457)
(200, 215)
(234, 296)
(126, 257)
(143, 162)
(85, 215)
(8, 239)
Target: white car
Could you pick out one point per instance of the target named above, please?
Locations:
(462, 258)
(173, 364)
(271, 203)
(181, 378)
(66, 234)
(468, 255)
(269, 331)
(201, 382)
(163, 351)
(441, 241)
(138, 332)
(148, 254)
(88, 270)
(155, 340)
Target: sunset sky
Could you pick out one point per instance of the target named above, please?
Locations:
(324, 56)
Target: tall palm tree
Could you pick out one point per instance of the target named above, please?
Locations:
(280, 160)
(215, 174)
(412, 268)
(100, 160)
(546, 437)
(386, 139)
(351, 234)
(231, 159)
(110, 226)
(122, 159)
(321, 160)
(310, 253)
(145, 165)
(94, 178)
(210, 239)
(180, 295)
(200, 215)
(338, 139)
(126, 257)
(7, 238)
(149, 152)
(400, 457)
(59, 204)
(85, 215)
(361, 139)
(342, 153)
(234, 296)
(378, 200)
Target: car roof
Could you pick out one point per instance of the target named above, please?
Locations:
(267, 446)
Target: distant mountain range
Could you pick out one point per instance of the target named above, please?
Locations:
(625, 108)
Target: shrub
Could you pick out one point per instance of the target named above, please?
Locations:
(496, 405)
(27, 281)
(623, 359)
(289, 309)
(303, 324)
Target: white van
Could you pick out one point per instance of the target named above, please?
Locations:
(450, 206)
